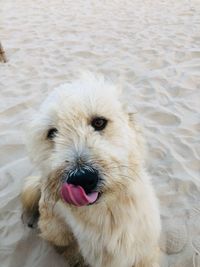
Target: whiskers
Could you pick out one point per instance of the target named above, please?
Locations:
(113, 176)
(118, 177)
(131, 173)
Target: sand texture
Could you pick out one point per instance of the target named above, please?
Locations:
(154, 47)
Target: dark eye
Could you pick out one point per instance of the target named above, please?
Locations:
(51, 133)
(99, 123)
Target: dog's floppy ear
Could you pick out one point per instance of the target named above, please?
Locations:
(128, 108)
(131, 112)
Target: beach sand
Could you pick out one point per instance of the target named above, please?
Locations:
(153, 49)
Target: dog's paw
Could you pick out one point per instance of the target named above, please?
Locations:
(31, 218)
(30, 197)
(72, 255)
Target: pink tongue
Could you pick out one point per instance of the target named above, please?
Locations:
(76, 195)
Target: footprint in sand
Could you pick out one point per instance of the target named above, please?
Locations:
(164, 118)
(174, 237)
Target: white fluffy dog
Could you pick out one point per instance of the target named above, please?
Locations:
(94, 196)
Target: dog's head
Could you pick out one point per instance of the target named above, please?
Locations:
(86, 143)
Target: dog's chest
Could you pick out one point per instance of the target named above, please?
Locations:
(100, 243)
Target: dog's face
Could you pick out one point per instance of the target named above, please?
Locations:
(85, 142)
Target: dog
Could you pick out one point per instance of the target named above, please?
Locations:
(93, 199)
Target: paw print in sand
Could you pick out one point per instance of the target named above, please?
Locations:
(174, 236)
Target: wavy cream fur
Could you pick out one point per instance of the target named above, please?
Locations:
(122, 229)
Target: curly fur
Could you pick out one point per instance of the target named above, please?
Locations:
(122, 228)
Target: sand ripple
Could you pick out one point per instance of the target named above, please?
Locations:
(154, 48)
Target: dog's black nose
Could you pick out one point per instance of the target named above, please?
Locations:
(84, 177)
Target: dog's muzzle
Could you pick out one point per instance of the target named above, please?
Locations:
(86, 178)
(80, 186)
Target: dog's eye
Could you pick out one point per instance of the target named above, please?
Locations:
(99, 123)
(51, 133)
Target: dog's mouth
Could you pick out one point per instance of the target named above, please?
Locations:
(77, 196)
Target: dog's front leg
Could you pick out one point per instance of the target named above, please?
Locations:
(36, 210)
(151, 260)
(40, 213)
(52, 227)
(30, 197)
(57, 232)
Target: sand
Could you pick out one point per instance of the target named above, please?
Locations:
(154, 47)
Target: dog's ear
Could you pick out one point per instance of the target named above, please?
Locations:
(127, 106)
(132, 115)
